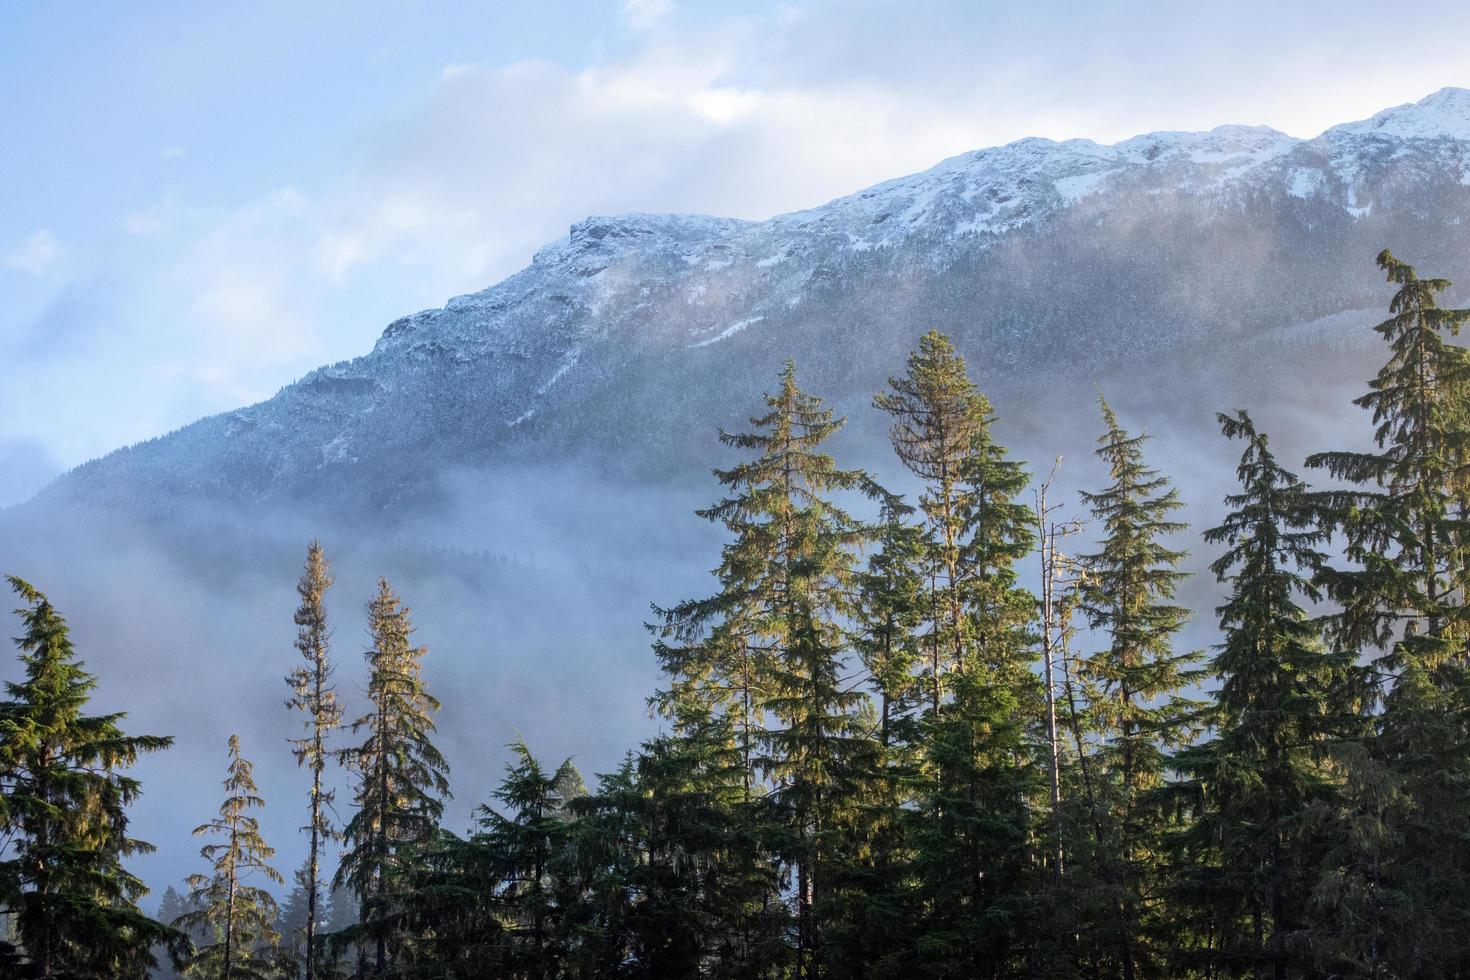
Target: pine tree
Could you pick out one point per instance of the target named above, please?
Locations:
(1250, 856)
(938, 412)
(401, 779)
(63, 815)
(1128, 593)
(313, 692)
(770, 647)
(241, 915)
(1404, 527)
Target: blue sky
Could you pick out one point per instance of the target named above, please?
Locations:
(199, 202)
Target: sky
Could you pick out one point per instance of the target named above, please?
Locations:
(201, 202)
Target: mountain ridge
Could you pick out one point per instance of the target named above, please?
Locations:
(673, 320)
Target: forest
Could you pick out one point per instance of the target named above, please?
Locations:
(952, 736)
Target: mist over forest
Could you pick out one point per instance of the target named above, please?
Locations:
(808, 492)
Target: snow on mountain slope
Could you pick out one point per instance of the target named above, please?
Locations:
(639, 333)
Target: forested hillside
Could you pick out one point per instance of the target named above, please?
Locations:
(954, 734)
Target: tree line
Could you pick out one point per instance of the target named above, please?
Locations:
(885, 752)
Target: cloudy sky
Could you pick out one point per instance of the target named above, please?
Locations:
(199, 202)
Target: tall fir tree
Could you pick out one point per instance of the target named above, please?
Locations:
(1248, 859)
(1404, 527)
(401, 779)
(240, 915)
(938, 412)
(64, 796)
(314, 693)
(770, 647)
(979, 788)
(1139, 711)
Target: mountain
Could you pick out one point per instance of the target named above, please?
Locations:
(1239, 256)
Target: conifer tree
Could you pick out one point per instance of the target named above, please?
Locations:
(707, 881)
(291, 925)
(63, 815)
(937, 413)
(1250, 856)
(401, 779)
(1127, 596)
(771, 645)
(891, 608)
(524, 843)
(313, 692)
(170, 907)
(240, 915)
(1403, 596)
(978, 790)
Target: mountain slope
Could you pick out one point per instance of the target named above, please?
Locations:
(1168, 254)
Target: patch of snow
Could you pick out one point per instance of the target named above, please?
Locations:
(1305, 182)
(569, 362)
(729, 331)
(1074, 189)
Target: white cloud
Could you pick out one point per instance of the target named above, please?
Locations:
(37, 255)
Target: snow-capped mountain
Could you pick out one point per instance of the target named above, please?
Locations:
(633, 336)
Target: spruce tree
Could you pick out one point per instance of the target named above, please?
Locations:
(937, 413)
(1404, 526)
(400, 778)
(1128, 598)
(1249, 858)
(63, 815)
(313, 692)
(240, 915)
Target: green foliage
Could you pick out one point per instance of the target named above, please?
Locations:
(1137, 710)
(1255, 792)
(1404, 527)
(63, 817)
(864, 773)
(314, 693)
(238, 916)
(401, 780)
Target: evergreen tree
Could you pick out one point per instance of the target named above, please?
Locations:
(938, 412)
(977, 794)
(400, 778)
(1249, 859)
(524, 843)
(891, 609)
(240, 915)
(1127, 596)
(170, 907)
(1404, 527)
(63, 816)
(708, 886)
(296, 911)
(313, 692)
(770, 647)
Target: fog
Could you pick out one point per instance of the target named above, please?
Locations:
(530, 587)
